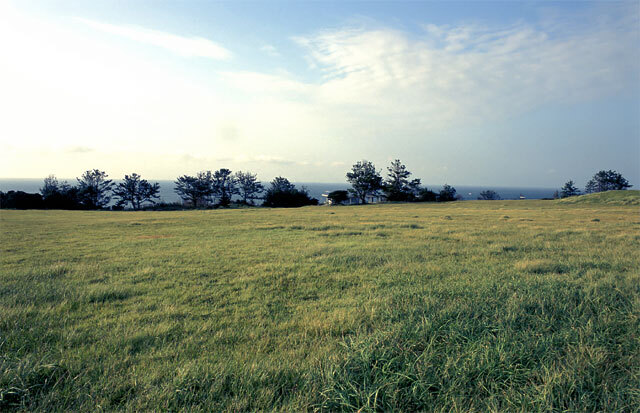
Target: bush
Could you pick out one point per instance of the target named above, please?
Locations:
(426, 195)
(489, 195)
(65, 198)
(447, 194)
(283, 194)
(288, 199)
(20, 200)
(338, 197)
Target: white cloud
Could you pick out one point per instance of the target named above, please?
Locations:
(450, 74)
(180, 45)
(383, 83)
(270, 50)
(388, 91)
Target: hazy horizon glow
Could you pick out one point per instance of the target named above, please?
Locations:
(504, 95)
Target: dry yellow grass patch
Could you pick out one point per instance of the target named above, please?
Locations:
(539, 266)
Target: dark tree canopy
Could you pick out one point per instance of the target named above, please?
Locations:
(249, 188)
(50, 186)
(489, 195)
(204, 185)
(94, 189)
(195, 190)
(364, 180)
(426, 195)
(136, 191)
(607, 181)
(338, 197)
(20, 200)
(447, 194)
(569, 189)
(186, 188)
(281, 184)
(224, 186)
(397, 181)
(283, 194)
(57, 195)
(397, 186)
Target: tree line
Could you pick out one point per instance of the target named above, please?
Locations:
(221, 188)
(600, 182)
(397, 186)
(93, 191)
(217, 188)
(206, 189)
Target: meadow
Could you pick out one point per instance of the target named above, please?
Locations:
(466, 306)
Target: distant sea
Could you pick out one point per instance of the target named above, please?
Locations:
(316, 189)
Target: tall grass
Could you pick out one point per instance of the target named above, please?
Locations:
(502, 306)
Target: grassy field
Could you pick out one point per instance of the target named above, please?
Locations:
(468, 306)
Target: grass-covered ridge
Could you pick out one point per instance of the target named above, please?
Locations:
(472, 306)
(628, 197)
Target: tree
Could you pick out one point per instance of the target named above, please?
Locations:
(281, 184)
(94, 188)
(50, 187)
(447, 194)
(56, 195)
(607, 181)
(397, 186)
(283, 194)
(397, 181)
(196, 190)
(489, 195)
(364, 179)
(426, 195)
(338, 197)
(414, 188)
(569, 189)
(136, 191)
(224, 186)
(249, 188)
(187, 189)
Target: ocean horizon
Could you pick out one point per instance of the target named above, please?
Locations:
(315, 189)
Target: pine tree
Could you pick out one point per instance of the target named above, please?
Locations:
(94, 188)
(569, 189)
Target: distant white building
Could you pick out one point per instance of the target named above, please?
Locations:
(354, 200)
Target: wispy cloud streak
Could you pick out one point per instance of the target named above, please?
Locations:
(180, 45)
(451, 72)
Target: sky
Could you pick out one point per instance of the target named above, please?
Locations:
(469, 93)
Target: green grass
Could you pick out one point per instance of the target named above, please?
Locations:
(471, 306)
(606, 198)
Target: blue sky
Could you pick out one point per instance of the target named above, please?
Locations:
(477, 93)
